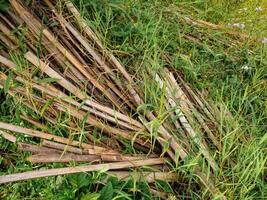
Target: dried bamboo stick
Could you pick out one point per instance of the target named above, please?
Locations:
(94, 38)
(5, 30)
(75, 150)
(107, 129)
(138, 101)
(33, 122)
(35, 149)
(161, 140)
(205, 24)
(195, 96)
(6, 41)
(63, 147)
(7, 62)
(7, 21)
(70, 170)
(62, 158)
(72, 9)
(13, 17)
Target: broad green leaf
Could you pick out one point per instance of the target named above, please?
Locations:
(90, 196)
(107, 192)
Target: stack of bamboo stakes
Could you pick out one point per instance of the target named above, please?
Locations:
(54, 64)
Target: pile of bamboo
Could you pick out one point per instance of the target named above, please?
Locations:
(53, 64)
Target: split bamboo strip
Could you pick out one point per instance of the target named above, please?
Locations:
(62, 147)
(35, 149)
(62, 158)
(7, 136)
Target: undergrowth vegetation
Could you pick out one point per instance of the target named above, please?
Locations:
(230, 70)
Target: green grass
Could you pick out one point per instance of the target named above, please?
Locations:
(139, 33)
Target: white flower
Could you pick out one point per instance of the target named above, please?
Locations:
(239, 25)
(264, 40)
(259, 9)
(246, 68)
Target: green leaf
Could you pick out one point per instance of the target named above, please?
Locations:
(4, 4)
(107, 192)
(162, 185)
(90, 196)
(79, 180)
(83, 180)
(8, 82)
